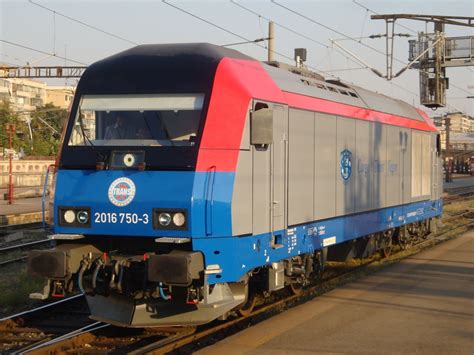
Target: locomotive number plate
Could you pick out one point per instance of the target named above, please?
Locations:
(121, 218)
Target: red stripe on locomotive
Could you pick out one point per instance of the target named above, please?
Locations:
(237, 82)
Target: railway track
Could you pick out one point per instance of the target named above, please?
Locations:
(18, 238)
(26, 330)
(13, 249)
(106, 339)
(458, 194)
(64, 326)
(11, 228)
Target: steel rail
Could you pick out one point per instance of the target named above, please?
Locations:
(24, 245)
(40, 308)
(11, 261)
(87, 329)
(7, 228)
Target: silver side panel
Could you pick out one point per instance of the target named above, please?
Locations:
(242, 194)
(363, 171)
(325, 166)
(279, 166)
(427, 165)
(301, 166)
(421, 166)
(379, 187)
(345, 190)
(394, 195)
(405, 163)
(437, 170)
(261, 183)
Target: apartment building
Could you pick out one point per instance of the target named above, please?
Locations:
(461, 125)
(27, 95)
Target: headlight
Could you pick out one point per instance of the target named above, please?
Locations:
(74, 216)
(70, 216)
(83, 217)
(164, 219)
(170, 219)
(179, 219)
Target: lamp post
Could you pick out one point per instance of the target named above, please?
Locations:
(10, 130)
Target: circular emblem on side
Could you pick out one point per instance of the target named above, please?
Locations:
(346, 164)
(129, 160)
(121, 191)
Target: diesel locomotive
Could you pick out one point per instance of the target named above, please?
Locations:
(192, 177)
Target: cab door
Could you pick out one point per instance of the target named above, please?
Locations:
(269, 179)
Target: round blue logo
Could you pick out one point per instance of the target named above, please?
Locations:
(346, 164)
(121, 191)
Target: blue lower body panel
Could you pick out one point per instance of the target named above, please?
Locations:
(238, 255)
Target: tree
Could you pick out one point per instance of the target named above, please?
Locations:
(46, 126)
(47, 123)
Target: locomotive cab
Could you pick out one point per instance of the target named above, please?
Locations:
(130, 196)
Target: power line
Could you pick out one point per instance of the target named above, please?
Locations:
(312, 40)
(303, 36)
(242, 37)
(40, 51)
(317, 42)
(409, 29)
(298, 34)
(375, 13)
(327, 27)
(209, 22)
(227, 31)
(348, 37)
(83, 23)
(246, 42)
(279, 24)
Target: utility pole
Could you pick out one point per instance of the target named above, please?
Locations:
(447, 123)
(431, 53)
(10, 130)
(271, 41)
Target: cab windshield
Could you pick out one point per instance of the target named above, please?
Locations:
(137, 120)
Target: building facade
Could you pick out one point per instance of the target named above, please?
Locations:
(461, 124)
(27, 95)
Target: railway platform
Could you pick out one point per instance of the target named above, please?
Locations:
(23, 210)
(424, 304)
(459, 182)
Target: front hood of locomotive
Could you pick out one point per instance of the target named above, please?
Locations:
(130, 213)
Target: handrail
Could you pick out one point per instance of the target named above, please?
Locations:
(43, 197)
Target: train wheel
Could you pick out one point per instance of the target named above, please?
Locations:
(296, 288)
(387, 250)
(318, 264)
(249, 305)
(405, 240)
(387, 239)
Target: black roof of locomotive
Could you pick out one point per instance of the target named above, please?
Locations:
(191, 67)
(183, 67)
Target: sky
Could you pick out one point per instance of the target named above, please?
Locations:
(123, 24)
